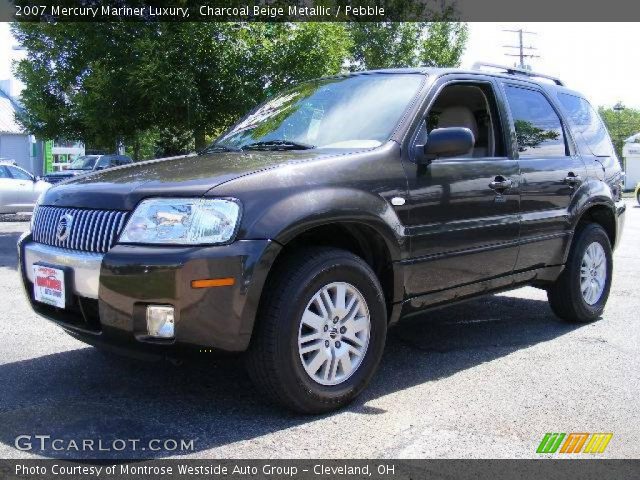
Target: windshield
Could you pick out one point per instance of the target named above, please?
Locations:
(359, 111)
(85, 162)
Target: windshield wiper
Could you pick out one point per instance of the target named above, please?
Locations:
(220, 148)
(278, 145)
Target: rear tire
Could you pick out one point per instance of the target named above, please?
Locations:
(581, 292)
(278, 361)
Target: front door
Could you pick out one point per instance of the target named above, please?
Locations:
(9, 191)
(25, 195)
(464, 211)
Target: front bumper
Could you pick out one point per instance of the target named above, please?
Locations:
(111, 293)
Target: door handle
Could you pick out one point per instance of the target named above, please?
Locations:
(500, 183)
(572, 179)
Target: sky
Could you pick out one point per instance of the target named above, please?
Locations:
(596, 59)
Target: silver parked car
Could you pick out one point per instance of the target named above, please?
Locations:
(19, 190)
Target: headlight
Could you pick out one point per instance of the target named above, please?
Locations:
(182, 221)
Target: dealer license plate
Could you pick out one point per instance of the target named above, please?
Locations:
(48, 285)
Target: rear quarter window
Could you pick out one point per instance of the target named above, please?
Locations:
(587, 123)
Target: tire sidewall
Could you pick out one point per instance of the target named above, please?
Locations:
(338, 270)
(592, 233)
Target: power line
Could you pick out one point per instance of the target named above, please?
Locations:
(523, 50)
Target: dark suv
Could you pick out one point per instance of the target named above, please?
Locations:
(87, 164)
(327, 214)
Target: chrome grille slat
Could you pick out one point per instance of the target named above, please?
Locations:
(108, 227)
(118, 229)
(45, 220)
(74, 232)
(91, 230)
(99, 227)
(49, 231)
(87, 233)
(77, 231)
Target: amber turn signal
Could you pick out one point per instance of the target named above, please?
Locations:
(213, 282)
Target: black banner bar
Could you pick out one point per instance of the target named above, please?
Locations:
(321, 469)
(317, 10)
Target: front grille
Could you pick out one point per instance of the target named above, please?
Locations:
(89, 231)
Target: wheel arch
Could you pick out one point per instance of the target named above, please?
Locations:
(601, 213)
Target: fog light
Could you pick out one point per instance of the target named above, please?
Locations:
(160, 321)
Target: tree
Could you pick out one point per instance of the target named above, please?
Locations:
(78, 81)
(169, 87)
(621, 125)
(529, 136)
(393, 44)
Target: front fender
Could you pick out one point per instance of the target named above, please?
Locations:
(303, 210)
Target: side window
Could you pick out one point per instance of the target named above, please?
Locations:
(588, 124)
(104, 162)
(538, 128)
(124, 160)
(19, 174)
(4, 173)
(469, 105)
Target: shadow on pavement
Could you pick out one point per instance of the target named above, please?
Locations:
(84, 394)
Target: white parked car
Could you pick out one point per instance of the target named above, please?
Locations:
(19, 190)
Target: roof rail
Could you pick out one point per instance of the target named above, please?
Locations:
(517, 71)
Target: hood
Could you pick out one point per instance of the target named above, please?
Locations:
(121, 188)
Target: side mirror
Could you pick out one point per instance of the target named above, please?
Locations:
(447, 142)
(36, 179)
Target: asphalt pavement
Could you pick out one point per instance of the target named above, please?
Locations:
(485, 379)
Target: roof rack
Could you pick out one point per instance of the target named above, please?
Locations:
(517, 71)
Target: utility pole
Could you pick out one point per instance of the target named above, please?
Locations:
(523, 51)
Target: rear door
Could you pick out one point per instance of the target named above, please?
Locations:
(551, 173)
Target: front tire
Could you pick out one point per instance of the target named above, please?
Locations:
(321, 331)
(581, 291)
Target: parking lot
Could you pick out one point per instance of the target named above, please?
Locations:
(485, 379)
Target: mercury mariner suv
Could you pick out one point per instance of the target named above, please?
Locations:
(329, 213)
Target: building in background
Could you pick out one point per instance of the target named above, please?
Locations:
(631, 154)
(15, 143)
(63, 153)
(37, 156)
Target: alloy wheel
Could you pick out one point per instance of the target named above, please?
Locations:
(593, 273)
(334, 333)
